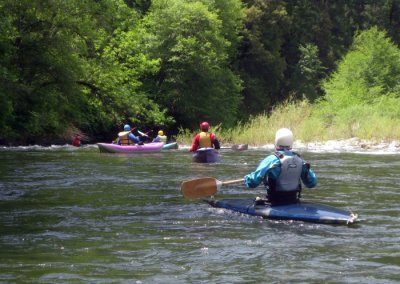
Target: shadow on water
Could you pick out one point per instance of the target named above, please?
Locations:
(74, 215)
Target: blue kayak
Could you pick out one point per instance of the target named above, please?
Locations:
(206, 155)
(301, 211)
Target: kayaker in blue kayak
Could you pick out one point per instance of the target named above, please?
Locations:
(282, 172)
(204, 139)
(126, 137)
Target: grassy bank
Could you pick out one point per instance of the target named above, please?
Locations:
(312, 123)
(361, 100)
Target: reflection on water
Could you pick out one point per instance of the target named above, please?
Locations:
(74, 215)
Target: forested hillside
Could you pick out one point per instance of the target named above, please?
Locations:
(90, 66)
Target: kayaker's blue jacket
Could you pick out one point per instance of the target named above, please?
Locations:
(271, 166)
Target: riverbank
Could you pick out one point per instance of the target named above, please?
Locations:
(344, 145)
(331, 146)
(351, 145)
(337, 146)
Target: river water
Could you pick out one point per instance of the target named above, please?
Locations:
(74, 215)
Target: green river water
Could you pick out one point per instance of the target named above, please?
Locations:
(74, 215)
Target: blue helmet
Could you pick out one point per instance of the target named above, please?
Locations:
(127, 127)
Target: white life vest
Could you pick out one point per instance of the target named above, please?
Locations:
(291, 168)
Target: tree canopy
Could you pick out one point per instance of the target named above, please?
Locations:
(92, 65)
(364, 90)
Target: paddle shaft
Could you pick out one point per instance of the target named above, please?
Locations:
(234, 181)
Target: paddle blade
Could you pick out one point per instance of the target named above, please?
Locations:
(199, 188)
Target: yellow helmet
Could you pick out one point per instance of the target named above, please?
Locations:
(160, 133)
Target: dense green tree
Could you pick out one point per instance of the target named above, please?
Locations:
(114, 79)
(260, 63)
(8, 76)
(140, 5)
(393, 22)
(330, 26)
(318, 23)
(364, 14)
(66, 64)
(42, 41)
(231, 14)
(368, 74)
(308, 73)
(194, 81)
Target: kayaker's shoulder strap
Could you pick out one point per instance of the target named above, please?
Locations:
(297, 154)
(265, 178)
(277, 154)
(280, 156)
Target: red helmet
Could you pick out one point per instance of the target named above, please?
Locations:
(204, 126)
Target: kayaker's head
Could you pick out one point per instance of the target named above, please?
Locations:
(204, 126)
(160, 133)
(283, 139)
(127, 127)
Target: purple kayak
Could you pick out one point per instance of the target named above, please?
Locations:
(145, 148)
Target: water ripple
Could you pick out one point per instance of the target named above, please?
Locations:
(71, 215)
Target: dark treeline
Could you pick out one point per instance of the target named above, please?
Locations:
(90, 66)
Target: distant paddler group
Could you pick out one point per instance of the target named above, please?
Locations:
(127, 137)
(132, 140)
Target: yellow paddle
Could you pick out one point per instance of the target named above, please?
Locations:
(203, 187)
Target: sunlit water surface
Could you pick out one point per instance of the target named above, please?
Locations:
(74, 215)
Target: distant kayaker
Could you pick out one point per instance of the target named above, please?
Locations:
(160, 137)
(204, 139)
(126, 137)
(77, 141)
(282, 172)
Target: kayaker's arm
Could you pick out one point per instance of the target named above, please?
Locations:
(215, 142)
(195, 144)
(308, 176)
(255, 178)
(133, 138)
